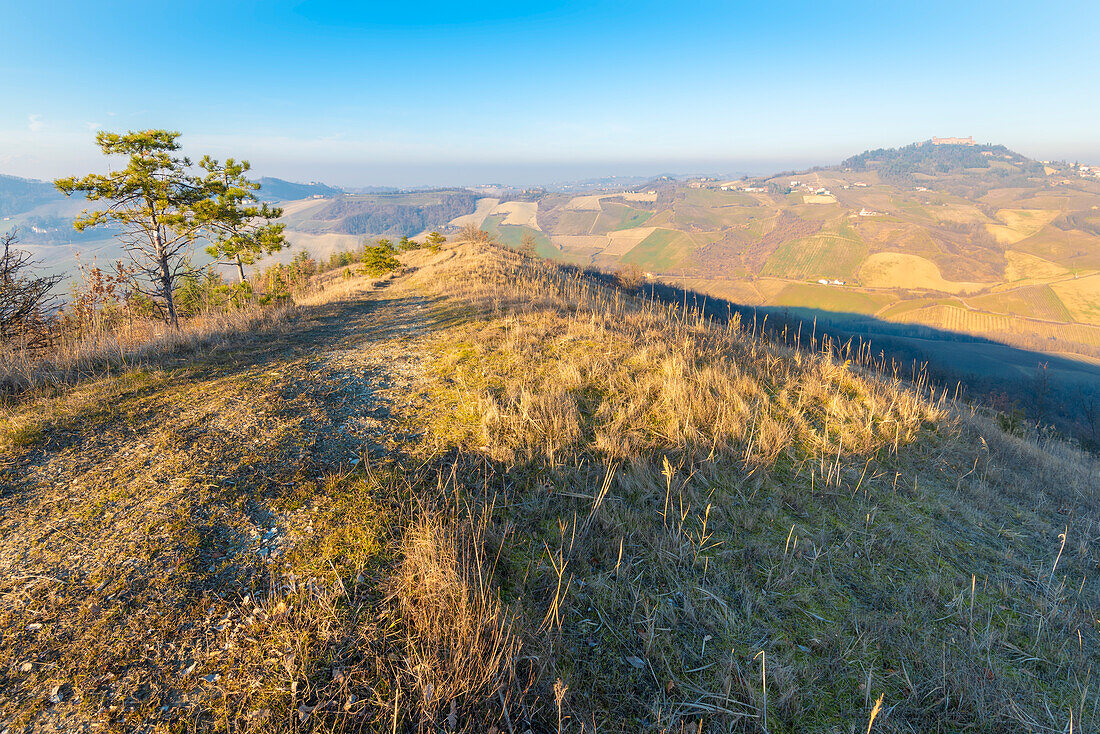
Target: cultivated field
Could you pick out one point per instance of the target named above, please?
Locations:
(1081, 296)
(1034, 302)
(833, 255)
(1019, 224)
(662, 250)
(829, 298)
(620, 242)
(519, 213)
(1001, 326)
(485, 207)
(1022, 266)
(901, 270)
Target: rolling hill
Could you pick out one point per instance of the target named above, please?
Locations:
(961, 238)
(494, 493)
(276, 189)
(18, 195)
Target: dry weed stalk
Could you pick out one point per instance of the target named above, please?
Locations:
(460, 649)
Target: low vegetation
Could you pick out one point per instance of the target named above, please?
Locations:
(108, 322)
(499, 494)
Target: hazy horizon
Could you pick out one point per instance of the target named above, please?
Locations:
(424, 175)
(435, 94)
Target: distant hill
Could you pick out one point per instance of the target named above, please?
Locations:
(276, 189)
(948, 163)
(381, 214)
(18, 195)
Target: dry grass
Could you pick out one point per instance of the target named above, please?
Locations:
(142, 342)
(898, 270)
(767, 500)
(460, 650)
(507, 497)
(563, 367)
(146, 342)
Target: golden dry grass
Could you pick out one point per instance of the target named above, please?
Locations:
(1019, 224)
(504, 495)
(132, 345)
(899, 270)
(1021, 266)
(1081, 296)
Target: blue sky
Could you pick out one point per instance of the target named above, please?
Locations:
(443, 93)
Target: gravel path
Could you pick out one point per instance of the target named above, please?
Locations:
(144, 506)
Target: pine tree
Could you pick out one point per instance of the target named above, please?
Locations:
(153, 201)
(239, 224)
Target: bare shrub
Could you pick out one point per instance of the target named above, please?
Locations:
(26, 299)
(630, 277)
(473, 233)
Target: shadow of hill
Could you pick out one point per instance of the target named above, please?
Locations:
(1046, 388)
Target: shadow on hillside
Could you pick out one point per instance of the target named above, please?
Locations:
(1040, 387)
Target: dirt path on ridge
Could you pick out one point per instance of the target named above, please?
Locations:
(135, 509)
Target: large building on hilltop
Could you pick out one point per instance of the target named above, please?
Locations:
(954, 141)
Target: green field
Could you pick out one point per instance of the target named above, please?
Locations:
(823, 255)
(712, 209)
(614, 217)
(1036, 302)
(511, 235)
(713, 198)
(631, 217)
(662, 251)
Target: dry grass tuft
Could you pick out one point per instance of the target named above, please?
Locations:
(560, 366)
(460, 649)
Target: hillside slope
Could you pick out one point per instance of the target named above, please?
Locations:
(495, 494)
(903, 236)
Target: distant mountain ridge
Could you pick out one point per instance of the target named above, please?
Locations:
(18, 195)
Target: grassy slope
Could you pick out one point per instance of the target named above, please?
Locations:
(830, 298)
(663, 250)
(506, 496)
(511, 235)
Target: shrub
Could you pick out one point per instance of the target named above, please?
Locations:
(379, 260)
(435, 241)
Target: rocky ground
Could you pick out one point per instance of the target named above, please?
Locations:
(141, 514)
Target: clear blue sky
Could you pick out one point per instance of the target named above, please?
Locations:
(415, 93)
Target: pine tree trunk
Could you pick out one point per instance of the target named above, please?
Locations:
(240, 267)
(166, 281)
